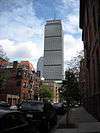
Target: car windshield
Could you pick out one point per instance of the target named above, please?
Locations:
(58, 104)
(32, 106)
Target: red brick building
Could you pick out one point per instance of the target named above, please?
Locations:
(83, 80)
(27, 65)
(21, 82)
(90, 25)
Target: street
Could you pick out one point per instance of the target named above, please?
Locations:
(60, 117)
(52, 130)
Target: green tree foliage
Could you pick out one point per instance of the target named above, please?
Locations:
(70, 87)
(3, 54)
(45, 92)
(4, 77)
(70, 91)
(74, 63)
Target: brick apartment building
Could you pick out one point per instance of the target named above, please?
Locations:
(54, 87)
(90, 25)
(21, 82)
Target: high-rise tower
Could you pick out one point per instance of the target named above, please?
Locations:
(40, 66)
(53, 51)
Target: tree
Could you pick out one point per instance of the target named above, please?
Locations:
(74, 63)
(70, 91)
(4, 76)
(3, 54)
(45, 92)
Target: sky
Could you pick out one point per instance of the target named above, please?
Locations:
(22, 27)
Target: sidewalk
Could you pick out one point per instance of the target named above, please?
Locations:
(84, 121)
(80, 115)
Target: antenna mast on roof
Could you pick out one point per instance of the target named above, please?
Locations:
(54, 15)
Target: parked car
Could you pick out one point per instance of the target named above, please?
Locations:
(41, 114)
(4, 105)
(13, 107)
(13, 122)
(60, 108)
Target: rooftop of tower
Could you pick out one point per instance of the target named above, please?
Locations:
(54, 21)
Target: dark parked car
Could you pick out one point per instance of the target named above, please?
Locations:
(4, 105)
(41, 114)
(60, 108)
(13, 122)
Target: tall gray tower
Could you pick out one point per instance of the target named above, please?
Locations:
(40, 65)
(53, 51)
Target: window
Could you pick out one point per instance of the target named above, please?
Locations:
(24, 85)
(18, 83)
(25, 74)
(30, 86)
(31, 77)
(19, 74)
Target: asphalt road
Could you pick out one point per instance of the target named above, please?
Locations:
(60, 117)
(54, 128)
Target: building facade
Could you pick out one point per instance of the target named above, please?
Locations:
(21, 82)
(90, 25)
(40, 66)
(53, 51)
(54, 87)
(83, 80)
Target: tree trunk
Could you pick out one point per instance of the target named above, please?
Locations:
(67, 117)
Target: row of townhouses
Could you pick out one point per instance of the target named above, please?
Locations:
(20, 81)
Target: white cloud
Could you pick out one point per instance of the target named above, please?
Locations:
(23, 51)
(32, 50)
(72, 45)
(69, 10)
(74, 4)
(71, 24)
(20, 24)
(8, 47)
